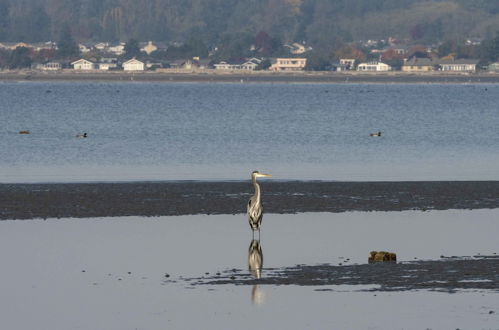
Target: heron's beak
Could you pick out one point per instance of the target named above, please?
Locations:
(263, 175)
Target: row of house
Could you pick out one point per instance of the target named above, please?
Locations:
(86, 65)
(36, 46)
(118, 49)
(277, 65)
(136, 65)
(413, 65)
(427, 64)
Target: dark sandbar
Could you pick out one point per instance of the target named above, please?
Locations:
(83, 200)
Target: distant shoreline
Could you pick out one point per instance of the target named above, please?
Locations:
(212, 76)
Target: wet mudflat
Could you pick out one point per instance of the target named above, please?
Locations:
(82, 200)
(447, 274)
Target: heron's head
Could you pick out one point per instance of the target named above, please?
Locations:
(257, 174)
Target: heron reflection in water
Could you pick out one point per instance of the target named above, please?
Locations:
(255, 259)
(255, 209)
(255, 265)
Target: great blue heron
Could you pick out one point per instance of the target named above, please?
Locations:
(255, 209)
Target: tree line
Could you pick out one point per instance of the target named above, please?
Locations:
(319, 22)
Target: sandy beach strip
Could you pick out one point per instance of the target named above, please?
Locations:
(84, 200)
(212, 76)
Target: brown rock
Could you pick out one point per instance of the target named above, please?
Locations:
(381, 256)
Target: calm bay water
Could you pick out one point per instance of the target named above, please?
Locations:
(169, 131)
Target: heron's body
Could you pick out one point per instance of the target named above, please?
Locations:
(255, 208)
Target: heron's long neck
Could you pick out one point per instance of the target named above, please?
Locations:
(257, 189)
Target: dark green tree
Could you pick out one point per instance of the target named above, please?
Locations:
(67, 46)
(266, 45)
(264, 65)
(132, 49)
(489, 49)
(446, 48)
(19, 58)
(4, 15)
(4, 58)
(234, 46)
(197, 47)
(178, 52)
(318, 61)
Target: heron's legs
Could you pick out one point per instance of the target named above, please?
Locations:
(253, 234)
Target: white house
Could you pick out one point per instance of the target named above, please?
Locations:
(288, 64)
(373, 66)
(118, 49)
(49, 66)
(107, 63)
(250, 64)
(83, 64)
(348, 63)
(107, 66)
(458, 65)
(84, 48)
(493, 67)
(101, 46)
(227, 66)
(149, 48)
(133, 65)
(297, 48)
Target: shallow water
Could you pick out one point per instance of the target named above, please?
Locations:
(43, 264)
(165, 131)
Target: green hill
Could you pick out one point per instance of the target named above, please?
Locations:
(319, 22)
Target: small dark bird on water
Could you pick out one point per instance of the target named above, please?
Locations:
(375, 134)
(81, 136)
(24, 132)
